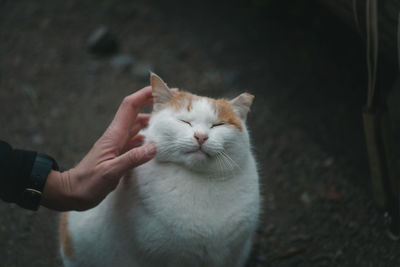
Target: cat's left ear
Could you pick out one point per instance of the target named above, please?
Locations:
(241, 104)
(161, 93)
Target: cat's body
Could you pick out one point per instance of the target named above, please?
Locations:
(195, 204)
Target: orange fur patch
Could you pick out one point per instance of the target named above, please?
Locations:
(65, 237)
(226, 114)
(223, 108)
(182, 100)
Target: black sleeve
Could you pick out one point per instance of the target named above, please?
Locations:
(15, 170)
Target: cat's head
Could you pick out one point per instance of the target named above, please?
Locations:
(201, 133)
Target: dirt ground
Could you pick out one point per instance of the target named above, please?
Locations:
(306, 69)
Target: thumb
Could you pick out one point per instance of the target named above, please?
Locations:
(134, 157)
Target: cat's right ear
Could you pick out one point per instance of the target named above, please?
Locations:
(241, 104)
(161, 93)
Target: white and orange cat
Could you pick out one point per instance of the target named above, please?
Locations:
(196, 203)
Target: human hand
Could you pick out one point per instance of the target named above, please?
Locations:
(118, 150)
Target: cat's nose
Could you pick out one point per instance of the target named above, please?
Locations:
(200, 137)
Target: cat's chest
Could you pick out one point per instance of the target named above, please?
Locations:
(190, 214)
(180, 198)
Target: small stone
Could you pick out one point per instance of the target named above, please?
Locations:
(101, 42)
(122, 62)
(328, 162)
(305, 198)
(37, 139)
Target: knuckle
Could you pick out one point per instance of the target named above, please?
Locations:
(126, 100)
(135, 157)
(105, 168)
(109, 175)
(130, 102)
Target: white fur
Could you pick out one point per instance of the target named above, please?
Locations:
(181, 208)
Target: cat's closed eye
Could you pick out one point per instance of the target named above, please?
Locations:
(187, 122)
(217, 124)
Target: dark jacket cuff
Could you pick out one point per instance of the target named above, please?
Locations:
(15, 170)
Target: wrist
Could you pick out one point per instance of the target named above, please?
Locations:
(53, 192)
(58, 193)
(63, 191)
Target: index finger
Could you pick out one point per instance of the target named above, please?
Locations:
(129, 109)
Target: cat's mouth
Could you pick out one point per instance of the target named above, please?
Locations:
(199, 152)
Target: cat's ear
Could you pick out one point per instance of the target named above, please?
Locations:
(161, 93)
(241, 104)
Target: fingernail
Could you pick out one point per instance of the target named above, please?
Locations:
(151, 149)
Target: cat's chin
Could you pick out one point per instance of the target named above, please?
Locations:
(197, 161)
(198, 154)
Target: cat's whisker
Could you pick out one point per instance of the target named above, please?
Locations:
(227, 165)
(226, 162)
(219, 163)
(221, 174)
(230, 159)
(234, 162)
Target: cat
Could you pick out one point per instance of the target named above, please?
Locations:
(197, 203)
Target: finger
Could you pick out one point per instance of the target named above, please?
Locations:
(133, 158)
(142, 120)
(129, 109)
(136, 141)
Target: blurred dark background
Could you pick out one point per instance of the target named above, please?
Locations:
(66, 65)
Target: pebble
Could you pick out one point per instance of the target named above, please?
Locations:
(102, 42)
(37, 139)
(305, 198)
(328, 162)
(123, 62)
